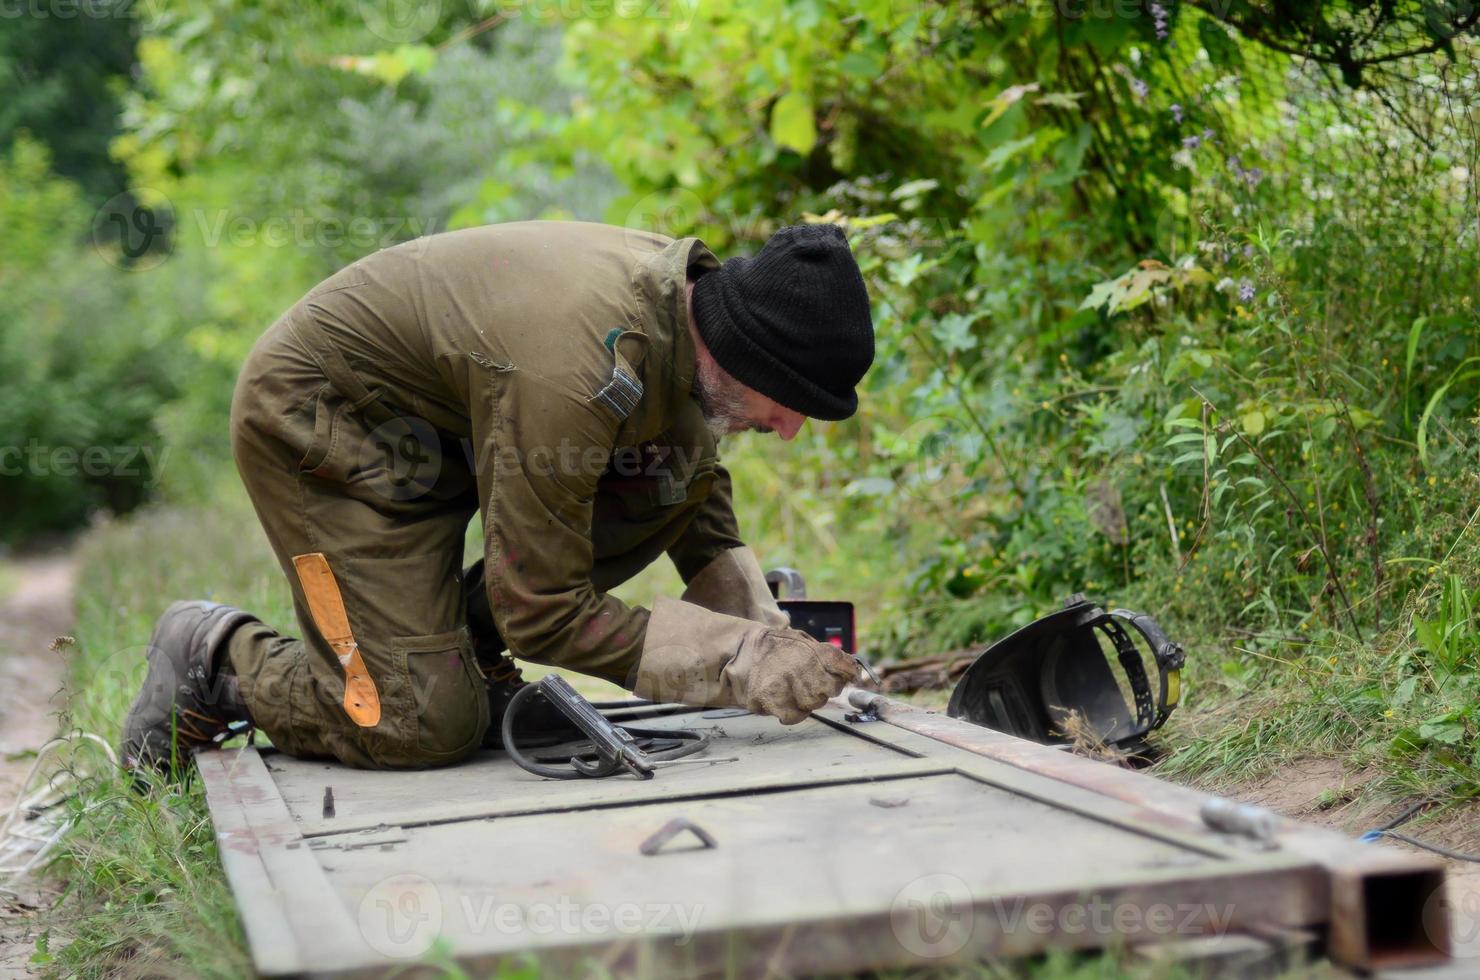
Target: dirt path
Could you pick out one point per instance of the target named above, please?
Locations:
(36, 611)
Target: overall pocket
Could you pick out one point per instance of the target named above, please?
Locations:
(449, 702)
(328, 422)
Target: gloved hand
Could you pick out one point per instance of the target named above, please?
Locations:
(692, 655)
(734, 584)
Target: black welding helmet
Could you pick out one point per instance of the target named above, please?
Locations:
(1032, 683)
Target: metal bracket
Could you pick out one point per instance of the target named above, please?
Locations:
(672, 829)
(786, 583)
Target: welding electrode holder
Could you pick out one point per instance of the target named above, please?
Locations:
(616, 748)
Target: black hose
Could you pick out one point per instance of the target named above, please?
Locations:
(1436, 848)
(520, 759)
(1386, 830)
(1406, 815)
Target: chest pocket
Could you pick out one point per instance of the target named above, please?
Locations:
(622, 393)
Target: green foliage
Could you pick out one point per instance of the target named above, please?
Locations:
(1177, 323)
(86, 353)
(263, 210)
(67, 103)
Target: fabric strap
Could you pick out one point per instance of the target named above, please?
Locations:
(326, 605)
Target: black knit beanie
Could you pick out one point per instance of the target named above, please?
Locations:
(793, 322)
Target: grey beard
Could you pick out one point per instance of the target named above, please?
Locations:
(722, 406)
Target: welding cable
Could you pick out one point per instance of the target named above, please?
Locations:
(1372, 835)
(694, 742)
(1386, 830)
(1406, 815)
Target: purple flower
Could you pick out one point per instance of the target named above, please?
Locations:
(1177, 112)
(1160, 17)
(1191, 142)
(1248, 251)
(1245, 291)
(1250, 176)
(1139, 87)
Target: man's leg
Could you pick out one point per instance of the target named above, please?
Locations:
(387, 510)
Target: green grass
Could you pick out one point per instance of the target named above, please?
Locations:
(145, 893)
(1385, 705)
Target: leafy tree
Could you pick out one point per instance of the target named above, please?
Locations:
(60, 81)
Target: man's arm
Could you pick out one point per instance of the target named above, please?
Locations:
(536, 497)
(712, 532)
(721, 573)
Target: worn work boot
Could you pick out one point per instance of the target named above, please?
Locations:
(539, 722)
(187, 702)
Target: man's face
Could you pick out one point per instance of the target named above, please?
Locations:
(730, 406)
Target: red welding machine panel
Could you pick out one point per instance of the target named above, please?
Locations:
(830, 622)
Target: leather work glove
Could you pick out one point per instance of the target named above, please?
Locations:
(734, 584)
(693, 655)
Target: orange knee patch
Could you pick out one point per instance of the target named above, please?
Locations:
(326, 605)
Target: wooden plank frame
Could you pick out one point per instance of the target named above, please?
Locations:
(297, 922)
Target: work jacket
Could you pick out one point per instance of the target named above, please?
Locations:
(558, 354)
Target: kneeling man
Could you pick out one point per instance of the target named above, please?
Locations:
(566, 382)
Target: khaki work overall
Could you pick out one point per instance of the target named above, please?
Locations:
(537, 374)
